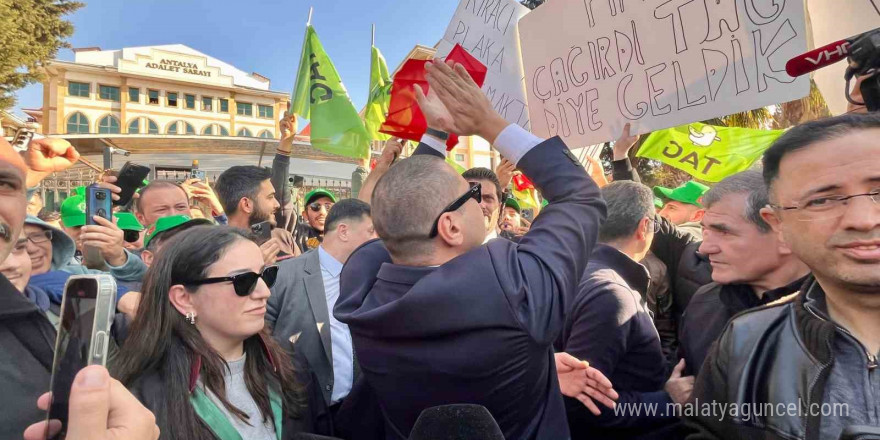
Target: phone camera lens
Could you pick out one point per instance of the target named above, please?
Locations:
(100, 196)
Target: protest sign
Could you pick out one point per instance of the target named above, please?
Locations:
(487, 29)
(593, 65)
(708, 152)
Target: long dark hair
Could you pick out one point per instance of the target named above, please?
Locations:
(161, 341)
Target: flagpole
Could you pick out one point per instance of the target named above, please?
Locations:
(309, 23)
(373, 36)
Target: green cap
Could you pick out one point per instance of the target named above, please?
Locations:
(169, 223)
(318, 193)
(689, 193)
(658, 202)
(511, 202)
(128, 222)
(73, 208)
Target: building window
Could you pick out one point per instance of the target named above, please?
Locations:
(208, 130)
(134, 127)
(108, 125)
(154, 97)
(265, 134)
(77, 123)
(172, 99)
(189, 101)
(78, 89)
(224, 131)
(266, 111)
(110, 93)
(244, 132)
(459, 157)
(244, 108)
(172, 127)
(134, 95)
(152, 127)
(207, 104)
(189, 129)
(224, 105)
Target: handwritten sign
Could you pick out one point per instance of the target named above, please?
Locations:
(487, 29)
(594, 65)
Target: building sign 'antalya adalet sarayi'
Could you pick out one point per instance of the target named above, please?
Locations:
(178, 67)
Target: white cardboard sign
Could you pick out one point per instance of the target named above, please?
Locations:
(487, 29)
(593, 65)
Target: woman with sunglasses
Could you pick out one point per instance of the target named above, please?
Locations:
(198, 354)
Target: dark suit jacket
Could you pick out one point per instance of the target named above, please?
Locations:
(297, 312)
(480, 328)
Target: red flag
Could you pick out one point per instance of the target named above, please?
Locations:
(521, 182)
(405, 119)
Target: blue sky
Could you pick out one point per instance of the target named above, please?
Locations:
(263, 36)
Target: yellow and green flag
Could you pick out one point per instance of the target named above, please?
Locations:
(458, 168)
(708, 152)
(380, 96)
(321, 98)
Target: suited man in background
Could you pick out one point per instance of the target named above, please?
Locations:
(437, 317)
(306, 291)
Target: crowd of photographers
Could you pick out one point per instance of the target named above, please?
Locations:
(604, 314)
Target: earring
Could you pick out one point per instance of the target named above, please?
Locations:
(191, 318)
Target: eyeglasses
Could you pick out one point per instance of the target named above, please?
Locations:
(40, 237)
(316, 207)
(826, 208)
(244, 283)
(475, 192)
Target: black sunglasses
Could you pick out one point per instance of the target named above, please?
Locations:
(244, 283)
(475, 192)
(316, 207)
(130, 235)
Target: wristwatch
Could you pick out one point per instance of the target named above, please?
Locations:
(442, 135)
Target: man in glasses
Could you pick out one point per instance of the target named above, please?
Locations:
(751, 266)
(248, 197)
(311, 233)
(817, 351)
(609, 325)
(438, 317)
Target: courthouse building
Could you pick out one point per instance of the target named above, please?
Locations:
(168, 106)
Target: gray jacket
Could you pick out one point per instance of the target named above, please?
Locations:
(297, 313)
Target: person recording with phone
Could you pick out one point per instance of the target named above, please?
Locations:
(199, 354)
(248, 197)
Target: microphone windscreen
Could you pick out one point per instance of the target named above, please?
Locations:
(456, 422)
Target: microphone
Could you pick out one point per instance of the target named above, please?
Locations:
(456, 422)
(819, 57)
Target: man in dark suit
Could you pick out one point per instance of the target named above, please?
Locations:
(437, 317)
(307, 289)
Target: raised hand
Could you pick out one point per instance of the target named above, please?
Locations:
(48, 155)
(504, 171)
(624, 143)
(288, 128)
(106, 237)
(470, 111)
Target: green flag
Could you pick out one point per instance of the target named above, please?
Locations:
(321, 98)
(380, 96)
(458, 168)
(707, 152)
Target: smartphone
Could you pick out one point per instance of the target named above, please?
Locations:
(87, 310)
(130, 178)
(99, 203)
(262, 232)
(197, 174)
(22, 138)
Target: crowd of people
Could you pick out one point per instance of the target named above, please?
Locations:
(748, 309)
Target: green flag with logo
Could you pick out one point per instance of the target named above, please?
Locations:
(708, 152)
(321, 98)
(380, 96)
(458, 168)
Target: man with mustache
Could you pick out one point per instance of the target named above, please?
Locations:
(491, 197)
(818, 351)
(317, 205)
(26, 335)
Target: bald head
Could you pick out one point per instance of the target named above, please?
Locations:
(407, 201)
